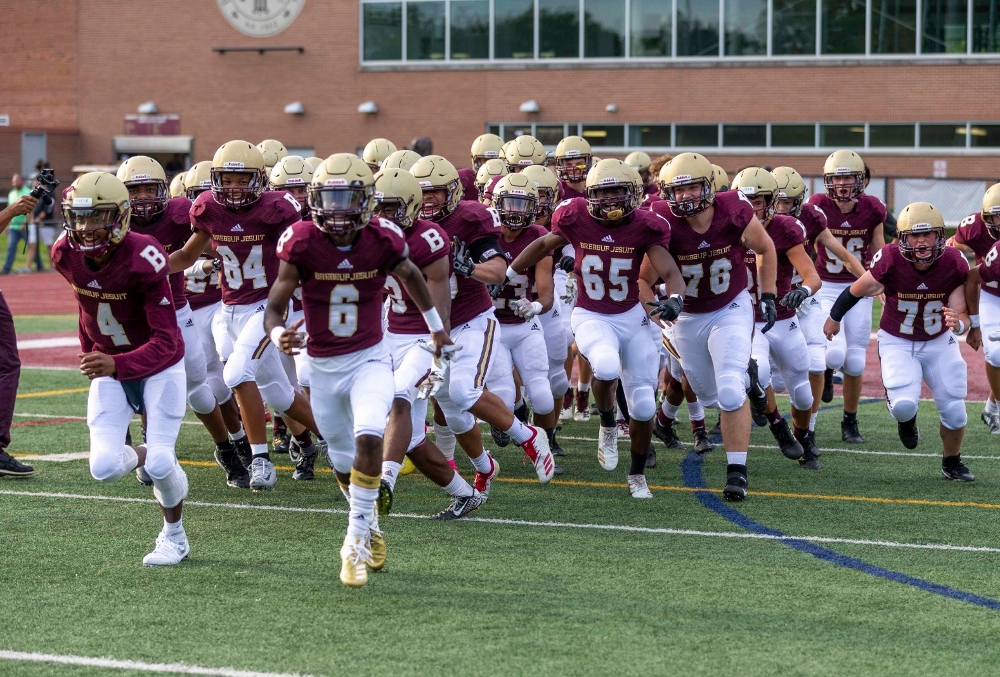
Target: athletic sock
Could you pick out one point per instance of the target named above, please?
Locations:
(458, 487)
(638, 464)
(260, 450)
(697, 425)
(444, 438)
(663, 419)
(991, 406)
(364, 493)
(173, 528)
(736, 457)
(519, 432)
(390, 472)
(224, 446)
(812, 420)
(345, 489)
(774, 417)
(482, 463)
(696, 412)
(583, 388)
(801, 435)
(670, 410)
(239, 434)
(304, 440)
(607, 418)
(850, 417)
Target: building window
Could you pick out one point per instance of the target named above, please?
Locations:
(842, 136)
(604, 28)
(754, 136)
(944, 27)
(650, 26)
(383, 31)
(746, 27)
(697, 28)
(558, 29)
(985, 26)
(843, 26)
(649, 136)
(512, 130)
(493, 129)
(793, 27)
(891, 136)
(604, 135)
(984, 136)
(470, 29)
(697, 136)
(793, 136)
(894, 27)
(943, 136)
(551, 135)
(514, 29)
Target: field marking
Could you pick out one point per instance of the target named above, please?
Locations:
(55, 458)
(54, 342)
(44, 421)
(48, 393)
(529, 523)
(172, 668)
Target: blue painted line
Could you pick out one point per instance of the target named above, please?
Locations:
(694, 478)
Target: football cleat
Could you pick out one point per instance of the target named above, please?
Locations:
(305, 466)
(827, 395)
(236, 475)
(756, 394)
(582, 412)
(522, 412)
(460, 507)
(11, 467)
(651, 457)
(736, 483)
(243, 451)
(501, 438)
(789, 446)
(909, 434)
(849, 432)
(483, 480)
(567, 406)
(168, 551)
(354, 558)
(637, 486)
(142, 477)
(536, 448)
(262, 474)
(716, 430)
(623, 431)
(667, 435)
(377, 550)
(810, 453)
(408, 466)
(555, 447)
(607, 448)
(991, 420)
(702, 444)
(282, 444)
(957, 471)
(384, 501)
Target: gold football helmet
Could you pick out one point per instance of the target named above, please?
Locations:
(293, 175)
(791, 191)
(376, 152)
(489, 169)
(547, 186)
(272, 150)
(918, 218)
(397, 196)
(314, 162)
(435, 173)
(687, 170)
(573, 159)
(754, 183)
(612, 193)
(198, 179)
(516, 200)
(401, 159)
(523, 151)
(144, 171)
(96, 213)
(639, 160)
(843, 163)
(177, 188)
(238, 175)
(991, 211)
(486, 147)
(341, 195)
(720, 179)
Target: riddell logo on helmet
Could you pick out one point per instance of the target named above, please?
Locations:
(518, 191)
(426, 184)
(782, 195)
(83, 202)
(524, 163)
(843, 170)
(141, 177)
(608, 181)
(236, 166)
(378, 195)
(681, 178)
(335, 182)
(572, 153)
(294, 181)
(491, 154)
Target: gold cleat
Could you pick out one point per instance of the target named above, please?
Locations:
(354, 558)
(377, 550)
(408, 466)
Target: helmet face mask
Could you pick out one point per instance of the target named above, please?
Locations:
(435, 201)
(924, 252)
(440, 186)
(992, 222)
(685, 202)
(90, 231)
(610, 203)
(148, 198)
(397, 196)
(573, 168)
(516, 211)
(787, 206)
(96, 214)
(237, 188)
(392, 208)
(340, 209)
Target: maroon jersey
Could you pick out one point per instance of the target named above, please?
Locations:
(126, 307)
(854, 231)
(342, 289)
(171, 229)
(427, 243)
(567, 192)
(468, 178)
(608, 258)
(785, 232)
(711, 262)
(814, 219)
(649, 198)
(200, 288)
(469, 223)
(914, 299)
(973, 234)
(245, 240)
(522, 285)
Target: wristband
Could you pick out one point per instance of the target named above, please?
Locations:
(433, 320)
(974, 321)
(276, 335)
(806, 287)
(678, 297)
(961, 327)
(511, 273)
(536, 307)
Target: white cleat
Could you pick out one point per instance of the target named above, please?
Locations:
(262, 474)
(538, 451)
(354, 558)
(607, 448)
(637, 486)
(992, 421)
(168, 551)
(582, 415)
(567, 414)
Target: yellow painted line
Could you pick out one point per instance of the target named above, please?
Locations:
(654, 487)
(49, 393)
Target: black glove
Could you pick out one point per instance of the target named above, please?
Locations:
(795, 298)
(463, 265)
(495, 289)
(667, 310)
(566, 264)
(768, 310)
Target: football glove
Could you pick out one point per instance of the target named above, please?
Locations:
(768, 310)
(667, 310)
(463, 265)
(566, 264)
(495, 289)
(570, 296)
(527, 309)
(795, 298)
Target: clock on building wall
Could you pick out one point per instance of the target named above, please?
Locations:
(260, 18)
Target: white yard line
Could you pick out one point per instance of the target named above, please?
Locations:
(172, 668)
(54, 458)
(528, 523)
(54, 342)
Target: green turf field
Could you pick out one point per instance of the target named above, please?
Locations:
(666, 586)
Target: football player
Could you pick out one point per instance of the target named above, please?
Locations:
(855, 220)
(976, 234)
(177, 187)
(477, 261)
(272, 151)
(167, 220)
(486, 147)
(640, 162)
(709, 233)
(488, 170)
(784, 345)
(401, 159)
(132, 350)
(522, 152)
(610, 236)
(924, 283)
(376, 151)
(242, 223)
(342, 258)
(198, 179)
(398, 198)
(573, 160)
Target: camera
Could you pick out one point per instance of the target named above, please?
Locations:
(49, 182)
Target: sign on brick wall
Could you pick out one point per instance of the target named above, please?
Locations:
(153, 125)
(260, 18)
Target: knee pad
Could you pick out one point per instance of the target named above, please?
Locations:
(540, 394)
(237, 370)
(217, 383)
(732, 392)
(641, 403)
(341, 460)
(903, 409)
(835, 354)
(303, 370)
(461, 422)
(817, 359)
(801, 395)
(160, 461)
(172, 489)
(201, 398)
(558, 383)
(111, 466)
(854, 364)
(461, 391)
(605, 363)
(278, 394)
(953, 414)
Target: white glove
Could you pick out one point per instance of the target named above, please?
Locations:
(527, 309)
(431, 384)
(570, 297)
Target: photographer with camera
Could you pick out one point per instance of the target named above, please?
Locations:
(18, 225)
(42, 227)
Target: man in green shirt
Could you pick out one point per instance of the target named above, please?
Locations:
(18, 226)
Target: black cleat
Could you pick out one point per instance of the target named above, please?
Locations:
(667, 435)
(554, 446)
(282, 444)
(460, 507)
(11, 467)
(716, 430)
(956, 470)
(702, 444)
(522, 412)
(789, 446)
(849, 432)
(557, 469)
(304, 467)
(756, 395)
(236, 475)
(501, 438)
(651, 457)
(243, 452)
(827, 395)
(384, 501)
(736, 483)
(909, 435)
(810, 456)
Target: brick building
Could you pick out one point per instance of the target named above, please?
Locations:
(907, 83)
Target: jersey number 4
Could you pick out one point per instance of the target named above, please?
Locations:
(109, 326)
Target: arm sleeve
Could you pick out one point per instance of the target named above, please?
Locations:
(156, 354)
(485, 248)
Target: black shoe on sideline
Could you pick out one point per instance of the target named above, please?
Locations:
(956, 470)
(11, 467)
